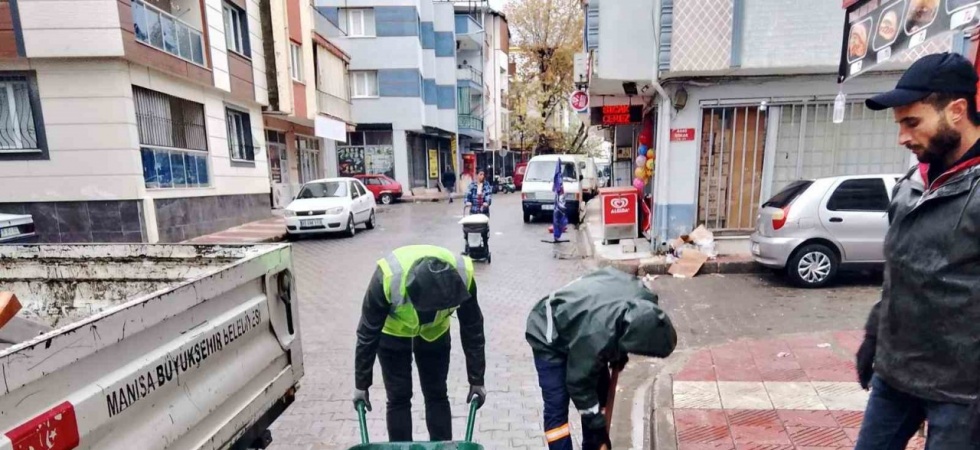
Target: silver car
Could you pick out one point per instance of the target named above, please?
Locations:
(812, 228)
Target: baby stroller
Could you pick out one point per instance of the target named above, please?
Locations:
(476, 234)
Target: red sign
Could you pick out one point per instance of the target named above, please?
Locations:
(617, 115)
(55, 429)
(619, 209)
(579, 100)
(681, 134)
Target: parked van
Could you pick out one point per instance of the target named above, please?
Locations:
(590, 176)
(536, 194)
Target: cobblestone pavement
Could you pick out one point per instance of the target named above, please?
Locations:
(332, 274)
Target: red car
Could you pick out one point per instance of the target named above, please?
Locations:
(385, 189)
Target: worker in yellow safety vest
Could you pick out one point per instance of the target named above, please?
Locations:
(406, 311)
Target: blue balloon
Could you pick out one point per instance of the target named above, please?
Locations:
(643, 149)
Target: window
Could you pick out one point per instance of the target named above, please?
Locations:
(173, 143)
(788, 194)
(296, 61)
(19, 113)
(236, 30)
(357, 22)
(309, 158)
(867, 195)
(373, 181)
(240, 135)
(158, 29)
(329, 189)
(365, 83)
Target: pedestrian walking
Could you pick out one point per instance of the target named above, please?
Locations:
(921, 348)
(581, 332)
(449, 182)
(479, 194)
(406, 311)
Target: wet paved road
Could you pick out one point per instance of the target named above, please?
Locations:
(332, 274)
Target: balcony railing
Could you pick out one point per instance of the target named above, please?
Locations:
(168, 33)
(470, 122)
(469, 74)
(332, 105)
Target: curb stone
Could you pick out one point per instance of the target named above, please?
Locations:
(663, 433)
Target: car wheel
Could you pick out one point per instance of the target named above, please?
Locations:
(527, 217)
(372, 221)
(387, 199)
(813, 266)
(291, 237)
(351, 226)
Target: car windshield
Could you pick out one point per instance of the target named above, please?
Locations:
(544, 171)
(788, 194)
(329, 189)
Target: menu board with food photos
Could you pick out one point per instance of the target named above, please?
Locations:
(876, 31)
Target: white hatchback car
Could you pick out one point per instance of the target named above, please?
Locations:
(330, 205)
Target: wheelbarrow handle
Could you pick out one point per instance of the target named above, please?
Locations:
(471, 421)
(362, 420)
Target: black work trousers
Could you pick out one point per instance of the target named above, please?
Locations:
(432, 358)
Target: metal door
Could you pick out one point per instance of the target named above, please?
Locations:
(855, 213)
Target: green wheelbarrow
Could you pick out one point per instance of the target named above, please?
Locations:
(466, 444)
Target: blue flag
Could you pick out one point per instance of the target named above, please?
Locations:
(560, 220)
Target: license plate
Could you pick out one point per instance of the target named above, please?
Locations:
(547, 207)
(310, 223)
(8, 232)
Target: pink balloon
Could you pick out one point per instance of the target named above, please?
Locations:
(638, 184)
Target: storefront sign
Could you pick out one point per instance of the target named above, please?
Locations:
(876, 31)
(433, 163)
(617, 115)
(619, 209)
(681, 134)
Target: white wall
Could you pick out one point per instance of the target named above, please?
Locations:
(404, 113)
(623, 24)
(90, 125)
(258, 50)
(71, 28)
(219, 54)
(775, 31)
(403, 52)
(365, 3)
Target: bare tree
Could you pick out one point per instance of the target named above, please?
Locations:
(547, 34)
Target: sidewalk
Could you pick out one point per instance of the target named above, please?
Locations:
(792, 392)
(420, 195)
(267, 230)
(643, 261)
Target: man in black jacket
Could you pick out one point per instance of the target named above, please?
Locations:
(921, 352)
(580, 332)
(449, 181)
(406, 310)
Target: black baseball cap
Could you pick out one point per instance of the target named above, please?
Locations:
(947, 73)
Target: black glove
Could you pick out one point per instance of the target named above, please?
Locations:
(597, 435)
(362, 397)
(620, 363)
(479, 393)
(865, 361)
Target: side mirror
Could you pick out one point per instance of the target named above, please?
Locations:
(581, 178)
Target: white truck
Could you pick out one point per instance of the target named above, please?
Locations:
(150, 346)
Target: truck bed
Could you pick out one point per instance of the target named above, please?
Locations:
(154, 346)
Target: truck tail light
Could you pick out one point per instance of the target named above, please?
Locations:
(779, 218)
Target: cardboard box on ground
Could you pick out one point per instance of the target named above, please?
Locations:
(689, 252)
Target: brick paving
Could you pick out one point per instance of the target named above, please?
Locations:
(267, 230)
(793, 392)
(332, 274)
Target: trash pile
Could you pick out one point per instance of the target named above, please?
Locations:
(690, 251)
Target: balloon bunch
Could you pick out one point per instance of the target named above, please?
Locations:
(645, 163)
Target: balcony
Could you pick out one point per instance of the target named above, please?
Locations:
(159, 29)
(469, 33)
(467, 76)
(326, 25)
(334, 106)
(471, 126)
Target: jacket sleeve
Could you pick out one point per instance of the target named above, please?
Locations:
(871, 326)
(487, 194)
(474, 341)
(374, 312)
(584, 365)
(470, 195)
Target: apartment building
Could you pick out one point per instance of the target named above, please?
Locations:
(403, 87)
(482, 63)
(737, 110)
(309, 108)
(132, 120)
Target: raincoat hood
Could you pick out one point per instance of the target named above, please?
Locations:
(645, 328)
(434, 284)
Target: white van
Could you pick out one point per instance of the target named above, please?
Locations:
(590, 176)
(536, 194)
